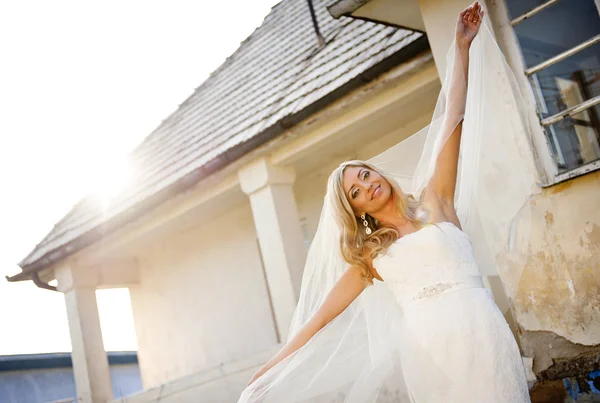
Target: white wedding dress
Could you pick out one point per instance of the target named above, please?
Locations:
(460, 347)
(430, 332)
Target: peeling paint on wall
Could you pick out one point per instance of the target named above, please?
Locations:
(558, 250)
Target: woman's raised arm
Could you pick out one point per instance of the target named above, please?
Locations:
(443, 182)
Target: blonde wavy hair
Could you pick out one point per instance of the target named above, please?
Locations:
(356, 246)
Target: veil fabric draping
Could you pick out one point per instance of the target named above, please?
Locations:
(358, 357)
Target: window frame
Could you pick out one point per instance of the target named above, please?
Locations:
(545, 161)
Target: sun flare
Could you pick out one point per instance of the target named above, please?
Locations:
(111, 180)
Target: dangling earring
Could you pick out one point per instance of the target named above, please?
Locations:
(366, 224)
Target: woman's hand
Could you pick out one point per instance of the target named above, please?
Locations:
(468, 24)
(257, 375)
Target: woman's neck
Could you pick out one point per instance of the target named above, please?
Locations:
(388, 216)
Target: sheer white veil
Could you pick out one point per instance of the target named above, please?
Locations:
(358, 357)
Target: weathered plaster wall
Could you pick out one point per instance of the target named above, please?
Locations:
(558, 246)
(557, 249)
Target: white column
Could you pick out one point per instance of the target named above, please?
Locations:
(90, 362)
(279, 235)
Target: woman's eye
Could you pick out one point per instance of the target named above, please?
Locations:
(365, 175)
(354, 194)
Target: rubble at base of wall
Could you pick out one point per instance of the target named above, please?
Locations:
(584, 388)
(579, 389)
(566, 372)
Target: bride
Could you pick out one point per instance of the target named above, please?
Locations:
(392, 306)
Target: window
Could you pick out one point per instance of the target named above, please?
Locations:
(560, 43)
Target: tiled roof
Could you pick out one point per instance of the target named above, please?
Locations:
(278, 76)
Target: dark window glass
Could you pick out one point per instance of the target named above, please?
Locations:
(575, 141)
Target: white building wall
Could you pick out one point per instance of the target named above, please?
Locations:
(202, 300)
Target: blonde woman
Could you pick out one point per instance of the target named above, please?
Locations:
(392, 306)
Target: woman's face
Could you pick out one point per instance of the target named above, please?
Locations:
(366, 190)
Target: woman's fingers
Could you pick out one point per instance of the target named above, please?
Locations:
(472, 15)
(475, 12)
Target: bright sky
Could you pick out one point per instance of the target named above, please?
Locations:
(81, 83)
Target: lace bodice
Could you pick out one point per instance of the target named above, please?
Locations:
(429, 262)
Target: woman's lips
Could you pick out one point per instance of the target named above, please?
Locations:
(376, 192)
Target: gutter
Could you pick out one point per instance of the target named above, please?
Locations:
(29, 272)
(36, 280)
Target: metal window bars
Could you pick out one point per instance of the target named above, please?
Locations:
(533, 12)
(562, 56)
(558, 58)
(574, 110)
